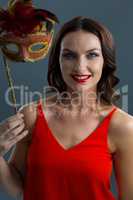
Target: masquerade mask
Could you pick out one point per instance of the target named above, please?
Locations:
(26, 33)
(31, 47)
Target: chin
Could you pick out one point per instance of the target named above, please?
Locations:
(77, 87)
(81, 88)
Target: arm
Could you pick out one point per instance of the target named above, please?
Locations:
(123, 161)
(10, 179)
(12, 172)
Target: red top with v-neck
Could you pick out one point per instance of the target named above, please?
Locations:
(81, 172)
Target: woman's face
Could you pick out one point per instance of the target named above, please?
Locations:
(81, 54)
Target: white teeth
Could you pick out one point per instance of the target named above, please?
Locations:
(81, 78)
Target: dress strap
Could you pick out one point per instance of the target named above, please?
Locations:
(109, 117)
(39, 108)
(111, 113)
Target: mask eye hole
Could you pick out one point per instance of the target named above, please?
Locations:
(38, 46)
(12, 47)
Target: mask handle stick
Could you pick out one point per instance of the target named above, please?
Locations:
(10, 83)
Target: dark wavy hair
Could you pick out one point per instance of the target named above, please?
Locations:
(108, 80)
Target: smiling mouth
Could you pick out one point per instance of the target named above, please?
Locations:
(80, 78)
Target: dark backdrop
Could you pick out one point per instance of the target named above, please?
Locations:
(116, 15)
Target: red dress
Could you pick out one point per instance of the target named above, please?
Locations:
(79, 173)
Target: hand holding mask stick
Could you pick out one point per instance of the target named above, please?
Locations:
(26, 35)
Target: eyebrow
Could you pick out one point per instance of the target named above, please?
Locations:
(66, 49)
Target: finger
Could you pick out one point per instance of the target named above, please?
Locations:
(11, 134)
(8, 127)
(15, 117)
(16, 131)
(14, 124)
(19, 137)
(7, 124)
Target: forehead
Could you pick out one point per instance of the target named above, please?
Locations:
(81, 40)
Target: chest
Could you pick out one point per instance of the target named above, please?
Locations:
(69, 131)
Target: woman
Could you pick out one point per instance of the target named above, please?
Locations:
(76, 136)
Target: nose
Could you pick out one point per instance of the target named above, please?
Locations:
(82, 63)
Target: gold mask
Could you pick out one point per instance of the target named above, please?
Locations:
(26, 33)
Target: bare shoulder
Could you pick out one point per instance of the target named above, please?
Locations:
(121, 128)
(121, 131)
(30, 112)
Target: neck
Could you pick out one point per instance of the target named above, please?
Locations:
(79, 101)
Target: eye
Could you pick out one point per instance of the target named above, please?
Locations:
(12, 47)
(68, 56)
(92, 55)
(38, 46)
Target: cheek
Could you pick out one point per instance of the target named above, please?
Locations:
(101, 66)
(98, 66)
(65, 66)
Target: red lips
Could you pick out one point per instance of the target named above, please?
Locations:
(80, 78)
